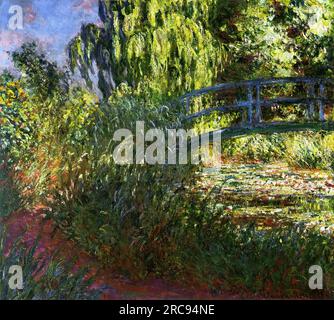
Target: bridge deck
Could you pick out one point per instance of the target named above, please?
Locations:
(272, 128)
(314, 94)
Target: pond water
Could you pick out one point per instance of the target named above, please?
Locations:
(272, 195)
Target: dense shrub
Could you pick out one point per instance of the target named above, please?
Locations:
(257, 147)
(308, 152)
(12, 120)
(299, 150)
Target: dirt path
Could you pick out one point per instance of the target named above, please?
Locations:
(30, 225)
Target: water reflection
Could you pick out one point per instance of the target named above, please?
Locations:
(272, 195)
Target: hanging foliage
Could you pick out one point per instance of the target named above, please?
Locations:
(167, 43)
(278, 38)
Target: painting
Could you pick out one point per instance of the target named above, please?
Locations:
(166, 150)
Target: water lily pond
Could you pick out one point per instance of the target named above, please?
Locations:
(272, 195)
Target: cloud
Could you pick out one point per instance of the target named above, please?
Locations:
(86, 5)
(11, 39)
(5, 60)
(29, 14)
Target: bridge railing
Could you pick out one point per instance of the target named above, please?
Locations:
(315, 94)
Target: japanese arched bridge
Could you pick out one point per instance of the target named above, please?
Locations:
(257, 99)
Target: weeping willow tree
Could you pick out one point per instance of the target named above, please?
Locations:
(168, 45)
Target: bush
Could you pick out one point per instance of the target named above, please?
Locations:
(308, 152)
(13, 113)
(300, 150)
(256, 148)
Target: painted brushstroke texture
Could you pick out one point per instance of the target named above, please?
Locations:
(52, 23)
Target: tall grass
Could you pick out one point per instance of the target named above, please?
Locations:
(301, 150)
(256, 148)
(9, 196)
(272, 263)
(125, 215)
(313, 152)
(42, 280)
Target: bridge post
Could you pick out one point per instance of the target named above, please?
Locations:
(188, 105)
(311, 94)
(250, 105)
(321, 102)
(258, 114)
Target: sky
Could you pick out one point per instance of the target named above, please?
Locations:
(51, 23)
